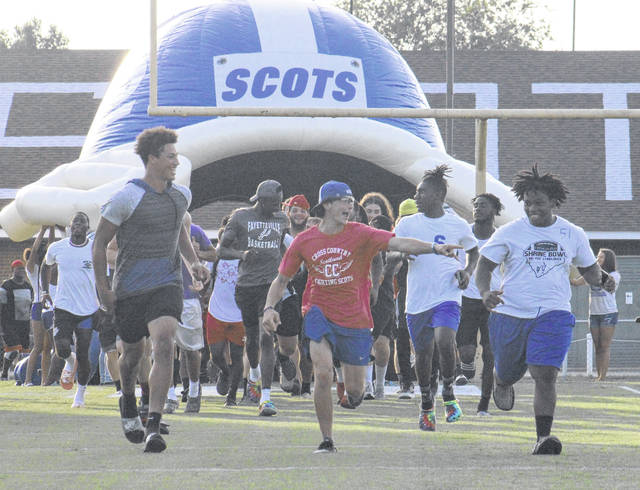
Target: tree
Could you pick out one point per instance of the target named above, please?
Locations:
(480, 24)
(29, 36)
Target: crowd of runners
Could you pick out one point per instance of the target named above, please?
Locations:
(340, 296)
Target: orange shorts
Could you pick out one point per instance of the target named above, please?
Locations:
(219, 331)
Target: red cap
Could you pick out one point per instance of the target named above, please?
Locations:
(298, 200)
(17, 263)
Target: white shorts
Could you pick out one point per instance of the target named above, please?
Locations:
(189, 334)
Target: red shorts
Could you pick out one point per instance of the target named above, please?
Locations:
(219, 331)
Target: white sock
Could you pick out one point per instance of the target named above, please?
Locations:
(171, 394)
(194, 388)
(254, 374)
(339, 376)
(381, 372)
(265, 396)
(80, 393)
(70, 361)
(369, 373)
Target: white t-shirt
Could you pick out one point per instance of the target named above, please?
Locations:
(222, 304)
(431, 278)
(76, 291)
(536, 265)
(602, 302)
(36, 284)
(472, 289)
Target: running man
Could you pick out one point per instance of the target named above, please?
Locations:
(146, 217)
(338, 256)
(474, 315)
(434, 291)
(75, 303)
(531, 322)
(255, 235)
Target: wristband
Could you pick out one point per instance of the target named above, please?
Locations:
(267, 309)
(43, 292)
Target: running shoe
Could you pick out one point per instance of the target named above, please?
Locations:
(67, 378)
(452, 410)
(254, 391)
(504, 396)
(427, 420)
(548, 445)
(171, 406)
(267, 409)
(132, 426)
(288, 370)
(296, 388)
(326, 447)
(306, 394)
(406, 392)
(483, 413)
(77, 404)
(193, 402)
(222, 386)
(27, 385)
(461, 380)
(368, 391)
(154, 443)
(346, 402)
(230, 402)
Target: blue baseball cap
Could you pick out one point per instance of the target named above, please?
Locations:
(329, 191)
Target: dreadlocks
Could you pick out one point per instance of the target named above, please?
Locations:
(493, 199)
(531, 180)
(437, 177)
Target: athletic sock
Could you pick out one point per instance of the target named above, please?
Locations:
(427, 402)
(381, 372)
(265, 396)
(339, 377)
(144, 388)
(185, 384)
(194, 387)
(306, 387)
(254, 374)
(70, 361)
(129, 405)
(543, 425)
(153, 422)
(369, 373)
(171, 394)
(483, 405)
(80, 391)
(118, 385)
(447, 389)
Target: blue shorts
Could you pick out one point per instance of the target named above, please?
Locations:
(47, 319)
(349, 345)
(519, 342)
(36, 312)
(608, 320)
(421, 325)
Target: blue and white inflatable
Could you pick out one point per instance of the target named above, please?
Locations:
(248, 53)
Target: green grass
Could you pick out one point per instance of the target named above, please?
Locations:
(47, 444)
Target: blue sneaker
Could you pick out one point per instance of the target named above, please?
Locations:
(452, 410)
(427, 420)
(267, 409)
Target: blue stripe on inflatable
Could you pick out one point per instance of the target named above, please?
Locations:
(189, 42)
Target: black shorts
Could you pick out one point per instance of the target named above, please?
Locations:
(290, 316)
(250, 300)
(134, 314)
(474, 316)
(66, 323)
(105, 325)
(16, 335)
(384, 321)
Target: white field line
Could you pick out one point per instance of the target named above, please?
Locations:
(632, 390)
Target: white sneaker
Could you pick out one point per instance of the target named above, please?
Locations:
(368, 391)
(77, 404)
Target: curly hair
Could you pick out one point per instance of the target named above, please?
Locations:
(438, 177)
(379, 199)
(531, 180)
(152, 140)
(493, 199)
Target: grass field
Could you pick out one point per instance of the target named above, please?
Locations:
(47, 444)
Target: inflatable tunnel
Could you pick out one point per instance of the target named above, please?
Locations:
(275, 53)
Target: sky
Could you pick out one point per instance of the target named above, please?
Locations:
(122, 24)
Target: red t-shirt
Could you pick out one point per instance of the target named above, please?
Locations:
(338, 266)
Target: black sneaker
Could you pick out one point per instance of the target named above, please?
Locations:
(288, 367)
(504, 396)
(296, 388)
(326, 447)
(154, 443)
(132, 426)
(230, 402)
(548, 445)
(222, 386)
